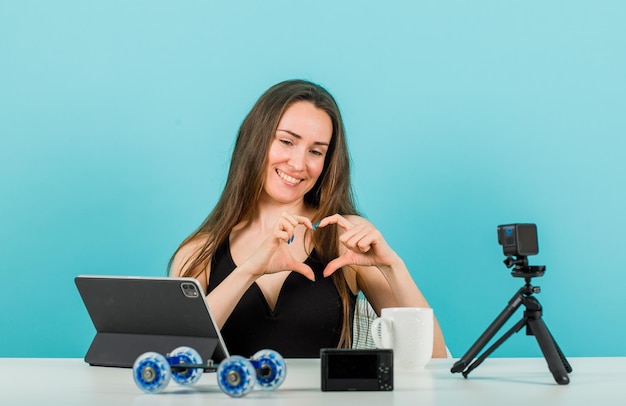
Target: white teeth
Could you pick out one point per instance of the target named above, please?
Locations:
(288, 178)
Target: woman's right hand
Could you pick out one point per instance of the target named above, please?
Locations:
(274, 255)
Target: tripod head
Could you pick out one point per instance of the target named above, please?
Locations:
(521, 269)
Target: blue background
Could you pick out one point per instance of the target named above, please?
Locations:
(117, 119)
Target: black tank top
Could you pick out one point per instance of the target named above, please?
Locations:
(308, 315)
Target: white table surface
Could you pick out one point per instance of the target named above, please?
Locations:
(498, 381)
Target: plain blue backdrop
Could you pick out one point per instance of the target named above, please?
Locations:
(117, 119)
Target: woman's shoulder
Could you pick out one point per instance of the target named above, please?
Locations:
(186, 253)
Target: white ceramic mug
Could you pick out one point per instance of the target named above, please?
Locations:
(409, 332)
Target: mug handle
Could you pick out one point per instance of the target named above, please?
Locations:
(376, 332)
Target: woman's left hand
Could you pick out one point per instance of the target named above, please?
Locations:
(364, 245)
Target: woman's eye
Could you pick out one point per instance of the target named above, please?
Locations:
(317, 153)
(286, 142)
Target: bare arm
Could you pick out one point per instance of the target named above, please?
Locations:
(271, 256)
(380, 273)
(223, 299)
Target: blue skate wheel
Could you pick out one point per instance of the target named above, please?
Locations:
(236, 376)
(271, 369)
(151, 372)
(185, 355)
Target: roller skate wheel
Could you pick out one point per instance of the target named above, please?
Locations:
(271, 369)
(236, 376)
(186, 355)
(151, 372)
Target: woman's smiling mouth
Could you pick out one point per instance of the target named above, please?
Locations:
(287, 178)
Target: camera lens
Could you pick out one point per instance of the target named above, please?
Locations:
(189, 290)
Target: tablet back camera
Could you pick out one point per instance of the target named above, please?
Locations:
(189, 290)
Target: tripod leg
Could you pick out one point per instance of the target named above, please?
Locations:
(567, 365)
(551, 351)
(517, 327)
(493, 328)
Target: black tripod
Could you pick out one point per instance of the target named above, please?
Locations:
(557, 363)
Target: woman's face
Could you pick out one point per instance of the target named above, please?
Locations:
(297, 153)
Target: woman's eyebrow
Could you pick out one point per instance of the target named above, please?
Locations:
(300, 137)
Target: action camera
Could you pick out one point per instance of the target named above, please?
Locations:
(518, 239)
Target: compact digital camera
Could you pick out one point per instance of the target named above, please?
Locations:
(357, 370)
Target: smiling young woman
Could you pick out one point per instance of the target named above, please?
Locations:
(284, 252)
(296, 154)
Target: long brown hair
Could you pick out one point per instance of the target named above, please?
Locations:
(331, 194)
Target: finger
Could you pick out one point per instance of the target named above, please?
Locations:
(295, 220)
(289, 222)
(352, 234)
(358, 238)
(336, 219)
(366, 239)
(336, 264)
(305, 221)
(304, 270)
(284, 230)
(359, 242)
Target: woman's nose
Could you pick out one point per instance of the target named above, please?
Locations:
(297, 160)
